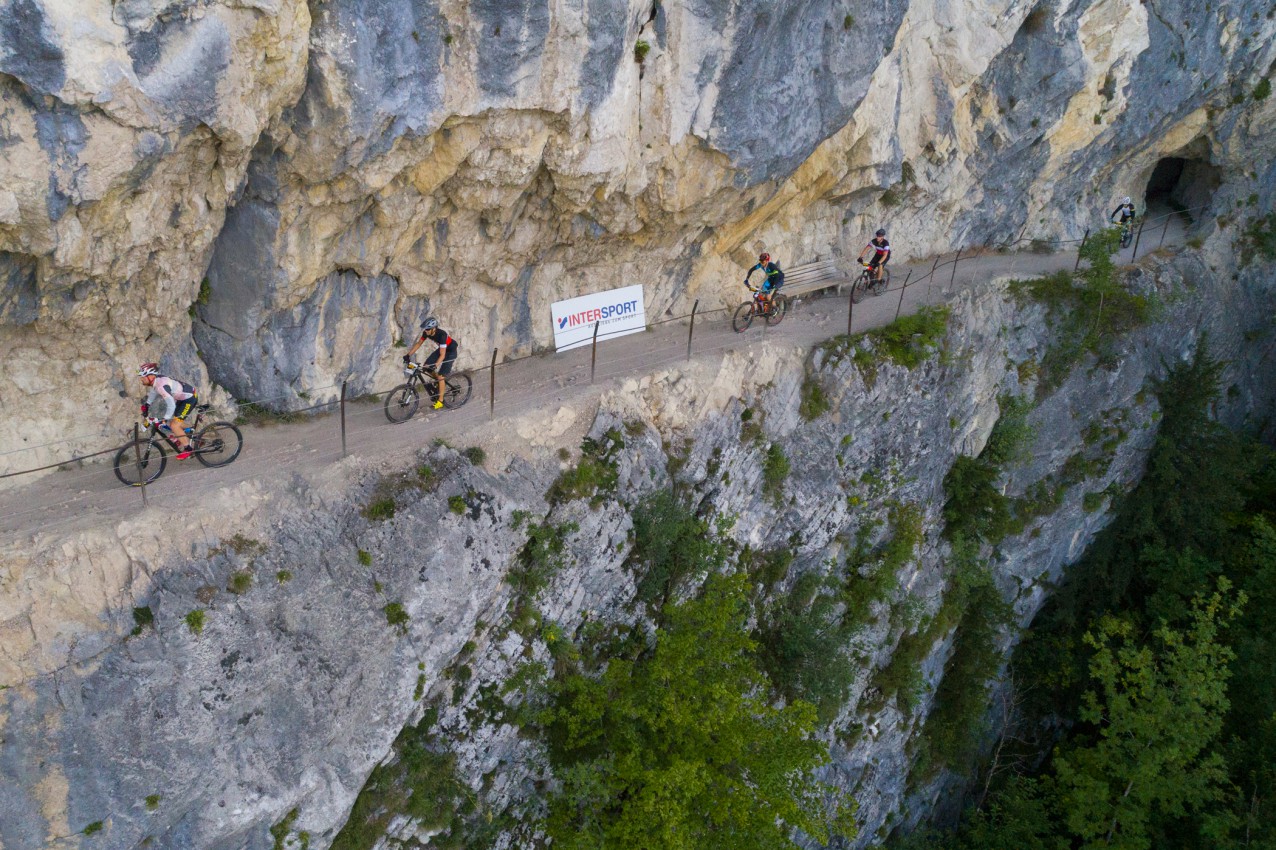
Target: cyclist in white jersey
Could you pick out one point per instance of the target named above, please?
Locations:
(178, 399)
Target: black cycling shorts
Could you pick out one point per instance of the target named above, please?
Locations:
(184, 408)
(876, 261)
(448, 359)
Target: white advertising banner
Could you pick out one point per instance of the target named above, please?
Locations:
(617, 312)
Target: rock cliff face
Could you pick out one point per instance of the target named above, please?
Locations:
(325, 626)
(183, 180)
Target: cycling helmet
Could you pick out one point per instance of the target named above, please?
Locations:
(881, 232)
(764, 257)
(1125, 200)
(148, 369)
(430, 324)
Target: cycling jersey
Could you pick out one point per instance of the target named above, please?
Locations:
(774, 277)
(881, 252)
(1126, 211)
(445, 355)
(439, 337)
(170, 391)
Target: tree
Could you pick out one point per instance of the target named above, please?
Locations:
(1158, 710)
(679, 749)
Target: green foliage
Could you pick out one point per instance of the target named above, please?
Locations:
(142, 618)
(456, 504)
(815, 401)
(595, 477)
(976, 509)
(152, 802)
(195, 621)
(539, 560)
(380, 509)
(420, 782)
(848, 22)
(679, 748)
(641, 49)
(671, 546)
(364, 558)
(1263, 90)
(92, 828)
(1012, 434)
(280, 831)
(1090, 311)
(775, 471)
(475, 455)
(803, 641)
(890, 198)
(397, 616)
(283, 576)
(873, 576)
(240, 582)
(1259, 240)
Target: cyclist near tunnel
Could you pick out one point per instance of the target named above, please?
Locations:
(179, 400)
(772, 276)
(881, 249)
(1124, 213)
(440, 362)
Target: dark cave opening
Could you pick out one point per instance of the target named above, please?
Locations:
(1183, 183)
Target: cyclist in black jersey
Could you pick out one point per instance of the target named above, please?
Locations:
(440, 362)
(881, 249)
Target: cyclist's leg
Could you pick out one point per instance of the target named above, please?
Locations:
(445, 369)
(178, 424)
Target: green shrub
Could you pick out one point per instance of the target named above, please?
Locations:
(152, 802)
(143, 618)
(815, 401)
(1263, 90)
(283, 576)
(671, 546)
(595, 477)
(641, 49)
(1011, 434)
(456, 504)
(195, 621)
(397, 616)
(92, 828)
(380, 509)
(775, 471)
(364, 558)
(539, 560)
(1259, 240)
(240, 582)
(475, 455)
(975, 508)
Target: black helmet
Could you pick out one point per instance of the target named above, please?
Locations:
(429, 324)
(881, 232)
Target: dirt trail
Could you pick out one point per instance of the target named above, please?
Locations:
(90, 495)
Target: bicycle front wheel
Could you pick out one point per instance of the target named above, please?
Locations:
(218, 444)
(860, 288)
(1127, 233)
(743, 317)
(153, 459)
(456, 389)
(401, 403)
(778, 309)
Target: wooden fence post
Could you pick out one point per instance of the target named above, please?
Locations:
(343, 418)
(1080, 247)
(593, 354)
(491, 395)
(137, 456)
(692, 329)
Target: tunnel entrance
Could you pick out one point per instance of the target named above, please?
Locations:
(1183, 183)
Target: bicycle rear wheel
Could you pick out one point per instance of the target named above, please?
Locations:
(778, 309)
(218, 444)
(401, 403)
(152, 465)
(456, 389)
(743, 317)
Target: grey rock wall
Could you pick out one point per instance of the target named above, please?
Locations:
(297, 684)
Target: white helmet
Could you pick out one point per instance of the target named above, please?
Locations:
(1125, 200)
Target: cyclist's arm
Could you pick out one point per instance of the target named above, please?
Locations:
(170, 403)
(414, 347)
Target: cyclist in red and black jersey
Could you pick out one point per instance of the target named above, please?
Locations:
(881, 249)
(179, 400)
(440, 362)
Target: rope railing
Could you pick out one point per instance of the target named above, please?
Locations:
(580, 369)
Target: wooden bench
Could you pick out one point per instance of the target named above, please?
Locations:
(812, 277)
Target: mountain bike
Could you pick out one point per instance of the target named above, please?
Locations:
(1127, 233)
(772, 309)
(215, 444)
(402, 402)
(867, 282)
